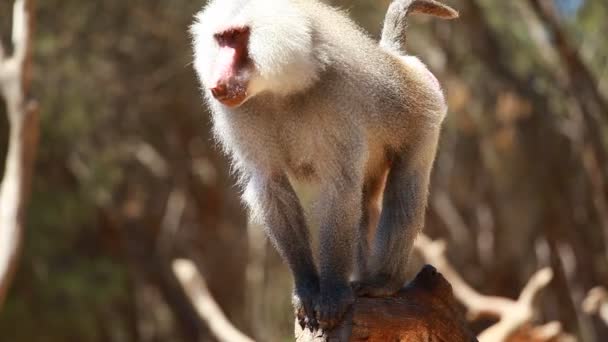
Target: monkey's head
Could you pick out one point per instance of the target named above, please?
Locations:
(243, 48)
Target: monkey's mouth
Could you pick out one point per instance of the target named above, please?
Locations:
(230, 95)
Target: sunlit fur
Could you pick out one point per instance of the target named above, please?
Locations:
(330, 107)
(288, 67)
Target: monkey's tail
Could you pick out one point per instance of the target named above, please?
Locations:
(395, 23)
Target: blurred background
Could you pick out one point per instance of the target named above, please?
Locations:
(127, 177)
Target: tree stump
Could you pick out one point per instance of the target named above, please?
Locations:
(424, 310)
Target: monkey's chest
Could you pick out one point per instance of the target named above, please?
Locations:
(303, 156)
(291, 147)
(306, 144)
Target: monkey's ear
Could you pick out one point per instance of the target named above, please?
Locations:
(435, 8)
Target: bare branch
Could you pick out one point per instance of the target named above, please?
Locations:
(208, 309)
(477, 304)
(596, 302)
(20, 29)
(22, 143)
(547, 332)
(520, 312)
(539, 280)
(512, 314)
(445, 208)
(176, 204)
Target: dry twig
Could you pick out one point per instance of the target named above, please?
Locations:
(207, 308)
(596, 302)
(23, 139)
(512, 314)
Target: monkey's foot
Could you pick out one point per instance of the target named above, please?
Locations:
(378, 286)
(333, 304)
(303, 299)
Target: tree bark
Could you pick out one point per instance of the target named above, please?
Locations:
(425, 310)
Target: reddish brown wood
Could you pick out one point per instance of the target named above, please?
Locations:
(425, 310)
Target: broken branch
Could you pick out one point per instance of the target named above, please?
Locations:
(22, 142)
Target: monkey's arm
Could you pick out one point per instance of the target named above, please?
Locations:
(339, 210)
(275, 205)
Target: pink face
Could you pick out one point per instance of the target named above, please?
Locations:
(232, 67)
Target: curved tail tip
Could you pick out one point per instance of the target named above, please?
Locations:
(434, 8)
(451, 13)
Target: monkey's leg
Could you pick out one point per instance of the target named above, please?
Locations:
(402, 218)
(340, 213)
(371, 208)
(274, 203)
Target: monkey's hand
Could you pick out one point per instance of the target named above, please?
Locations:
(378, 286)
(333, 303)
(305, 294)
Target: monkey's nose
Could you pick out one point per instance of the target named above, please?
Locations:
(219, 91)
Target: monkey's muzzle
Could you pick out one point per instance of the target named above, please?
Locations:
(230, 94)
(231, 77)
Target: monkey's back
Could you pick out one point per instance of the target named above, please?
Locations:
(394, 96)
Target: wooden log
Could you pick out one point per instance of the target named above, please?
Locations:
(424, 310)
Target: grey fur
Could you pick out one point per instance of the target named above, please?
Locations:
(395, 23)
(368, 108)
